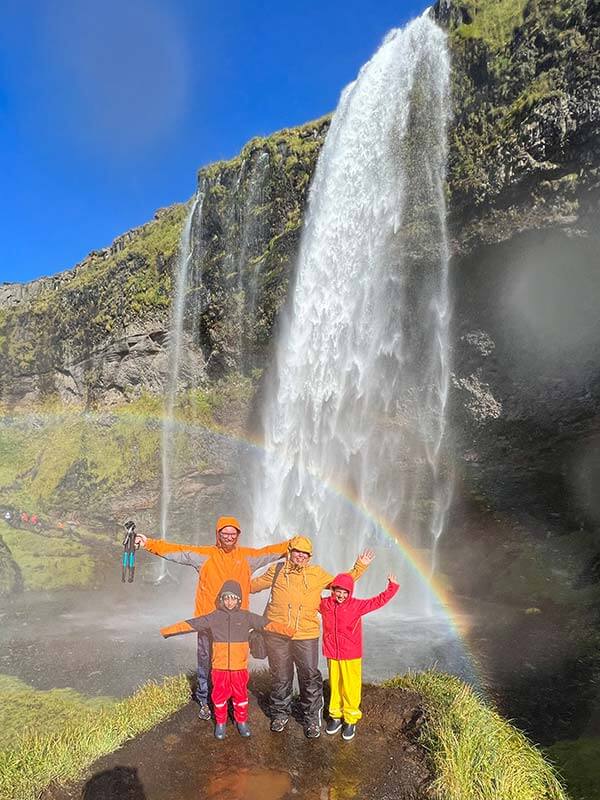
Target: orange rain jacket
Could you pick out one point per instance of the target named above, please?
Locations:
(215, 566)
(296, 594)
(229, 629)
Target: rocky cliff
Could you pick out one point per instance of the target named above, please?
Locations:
(523, 189)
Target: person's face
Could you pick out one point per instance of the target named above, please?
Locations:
(299, 557)
(228, 537)
(230, 601)
(340, 595)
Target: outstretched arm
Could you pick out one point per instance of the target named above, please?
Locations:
(188, 554)
(259, 622)
(263, 581)
(261, 556)
(361, 564)
(187, 626)
(373, 603)
(359, 568)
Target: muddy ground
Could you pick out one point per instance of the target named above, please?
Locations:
(181, 760)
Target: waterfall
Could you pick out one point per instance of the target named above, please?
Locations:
(356, 401)
(186, 251)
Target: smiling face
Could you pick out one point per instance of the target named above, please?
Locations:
(299, 557)
(227, 538)
(339, 595)
(230, 601)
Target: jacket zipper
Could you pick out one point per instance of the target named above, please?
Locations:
(335, 628)
(228, 641)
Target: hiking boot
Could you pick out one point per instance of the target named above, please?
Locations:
(333, 725)
(243, 729)
(220, 730)
(312, 731)
(279, 724)
(204, 712)
(349, 731)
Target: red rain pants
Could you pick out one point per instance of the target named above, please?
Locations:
(228, 683)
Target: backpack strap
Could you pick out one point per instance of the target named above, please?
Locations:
(278, 568)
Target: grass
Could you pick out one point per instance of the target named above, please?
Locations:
(26, 710)
(578, 761)
(493, 21)
(33, 760)
(475, 753)
(48, 563)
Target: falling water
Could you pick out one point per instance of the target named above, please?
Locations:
(186, 251)
(357, 399)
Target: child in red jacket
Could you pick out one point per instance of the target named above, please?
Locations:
(342, 647)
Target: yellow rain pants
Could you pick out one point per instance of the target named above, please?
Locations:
(345, 680)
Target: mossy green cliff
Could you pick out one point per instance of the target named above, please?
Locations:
(523, 207)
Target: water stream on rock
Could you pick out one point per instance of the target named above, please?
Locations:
(356, 408)
(186, 252)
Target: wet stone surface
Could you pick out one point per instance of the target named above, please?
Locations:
(180, 760)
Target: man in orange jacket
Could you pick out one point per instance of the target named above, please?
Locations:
(295, 598)
(215, 564)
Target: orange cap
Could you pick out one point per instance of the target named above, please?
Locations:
(226, 522)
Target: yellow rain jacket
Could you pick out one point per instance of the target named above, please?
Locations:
(296, 595)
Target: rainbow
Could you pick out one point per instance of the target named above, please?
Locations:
(455, 616)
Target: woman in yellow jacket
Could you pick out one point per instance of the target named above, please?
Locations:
(294, 601)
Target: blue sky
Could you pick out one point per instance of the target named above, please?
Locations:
(107, 109)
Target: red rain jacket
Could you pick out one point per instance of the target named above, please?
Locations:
(342, 624)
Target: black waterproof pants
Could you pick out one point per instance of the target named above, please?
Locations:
(284, 654)
(203, 687)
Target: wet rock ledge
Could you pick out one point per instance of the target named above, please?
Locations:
(181, 760)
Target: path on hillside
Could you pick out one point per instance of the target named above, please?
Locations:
(180, 760)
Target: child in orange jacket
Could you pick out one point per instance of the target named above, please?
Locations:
(230, 627)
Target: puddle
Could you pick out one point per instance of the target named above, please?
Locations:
(247, 784)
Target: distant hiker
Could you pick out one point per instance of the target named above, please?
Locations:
(229, 627)
(215, 564)
(8, 517)
(24, 517)
(295, 597)
(342, 647)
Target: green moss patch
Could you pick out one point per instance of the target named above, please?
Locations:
(493, 22)
(48, 563)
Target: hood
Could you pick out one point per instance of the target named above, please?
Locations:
(344, 581)
(229, 586)
(226, 522)
(301, 543)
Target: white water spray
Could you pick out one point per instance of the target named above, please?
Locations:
(357, 401)
(186, 252)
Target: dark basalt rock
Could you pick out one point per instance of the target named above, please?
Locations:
(523, 189)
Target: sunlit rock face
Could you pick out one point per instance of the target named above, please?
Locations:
(523, 223)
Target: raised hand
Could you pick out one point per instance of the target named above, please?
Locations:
(391, 577)
(366, 557)
(140, 539)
